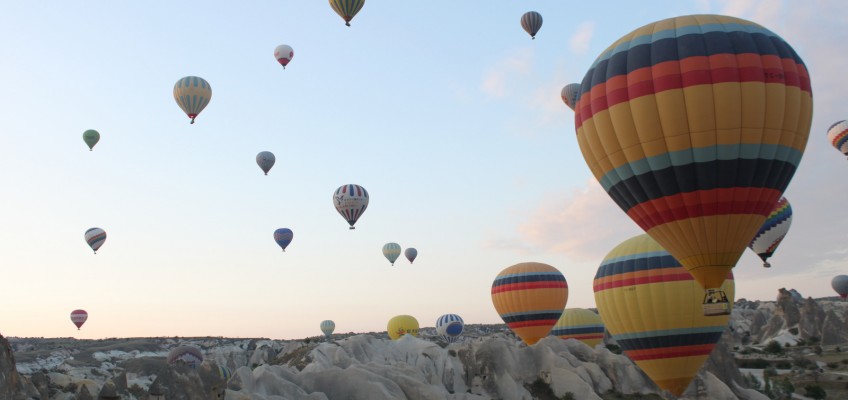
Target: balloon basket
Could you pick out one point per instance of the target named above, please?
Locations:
(715, 303)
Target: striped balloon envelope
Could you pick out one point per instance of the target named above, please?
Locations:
(449, 327)
(773, 231)
(327, 327)
(95, 237)
(225, 373)
(581, 324)
(531, 21)
(78, 317)
(347, 9)
(530, 298)
(192, 94)
(652, 308)
(188, 355)
(391, 251)
(351, 201)
(837, 135)
(569, 94)
(694, 126)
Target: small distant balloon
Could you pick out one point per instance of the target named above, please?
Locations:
(265, 160)
(773, 231)
(328, 327)
(531, 21)
(95, 237)
(91, 137)
(839, 283)
(410, 254)
(350, 201)
(391, 251)
(449, 326)
(569, 94)
(78, 317)
(192, 94)
(283, 237)
(283, 53)
(837, 135)
(188, 355)
(347, 9)
(402, 325)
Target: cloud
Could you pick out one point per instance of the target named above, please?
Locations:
(496, 80)
(580, 40)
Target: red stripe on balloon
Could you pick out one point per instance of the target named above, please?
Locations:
(629, 281)
(527, 324)
(530, 285)
(670, 352)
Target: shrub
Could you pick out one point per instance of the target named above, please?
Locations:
(754, 363)
(773, 347)
(815, 392)
(614, 349)
(833, 365)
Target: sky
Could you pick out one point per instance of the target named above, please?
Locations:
(446, 112)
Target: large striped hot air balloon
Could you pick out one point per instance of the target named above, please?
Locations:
(531, 21)
(773, 231)
(837, 135)
(581, 324)
(391, 251)
(449, 327)
(652, 308)
(569, 94)
(347, 9)
(78, 317)
(530, 298)
(95, 237)
(839, 283)
(695, 125)
(192, 94)
(350, 201)
(402, 325)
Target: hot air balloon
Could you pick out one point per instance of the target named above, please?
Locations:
(581, 324)
(449, 326)
(328, 327)
(91, 137)
(695, 125)
(192, 94)
(78, 317)
(283, 237)
(402, 325)
(530, 298)
(773, 231)
(391, 251)
(265, 160)
(531, 21)
(283, 53)
(569, 94)
(837, 134)
(347, 9)
(188, 355)
(225, 373)
(351, 201)
(95, 237)
(410, 254)
(652, 308)
(840, 285)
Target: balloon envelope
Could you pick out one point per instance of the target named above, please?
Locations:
(531, 21)
(283, 237)
(652, 308)
(449, 326)
(192, 94)
(391, 251)
(695, 125)
(91, 137)
(95, 237)
(839, 283)
(283, 53)
(328, 327)
(569, 94)
(265, 160)
(188, 355)
(347, 9)
(410, 254)
(581, 324)
(78, 317)
(530, 298)
(773, 231)
(402, 325)
(350, 201)
(837, 135)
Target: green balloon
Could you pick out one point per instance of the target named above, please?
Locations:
(91, 137)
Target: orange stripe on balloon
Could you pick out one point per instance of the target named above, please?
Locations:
(670, 352)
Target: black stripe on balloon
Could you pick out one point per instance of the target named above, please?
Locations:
(577, 331)
(637, 264)
(531, 317)
(528, 278)
(689, 339)
(709, 175)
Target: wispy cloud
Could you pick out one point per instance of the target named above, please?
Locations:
(580, 40)
(496, 80)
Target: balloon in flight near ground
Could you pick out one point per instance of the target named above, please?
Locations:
(391, 251)
(773, 231)
(283, 53)
(350, 201)
(265, 160)
(192, 94)
(531, 21)
(95, 237)
(188, 355)
(78, 317)
(91, 137)
(347, 9)
(694, 126)
(839, 283)
(569, 94)
(581, 324)
(449, 327)
(530, 298)
(652, 308)
(402, 325)
(328, 327)
(410, 254)
(837, 135)
(283, 237)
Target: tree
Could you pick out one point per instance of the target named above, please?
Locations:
(815, 392)
(773, 347)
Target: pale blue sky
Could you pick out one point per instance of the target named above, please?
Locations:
(446, 112)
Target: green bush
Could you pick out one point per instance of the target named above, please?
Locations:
(754, 363)
(833, 365)
(773, 347)
(815, 392)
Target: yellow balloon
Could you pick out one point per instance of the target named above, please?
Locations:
(581, 324)
(402, 325)
(530, 298)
